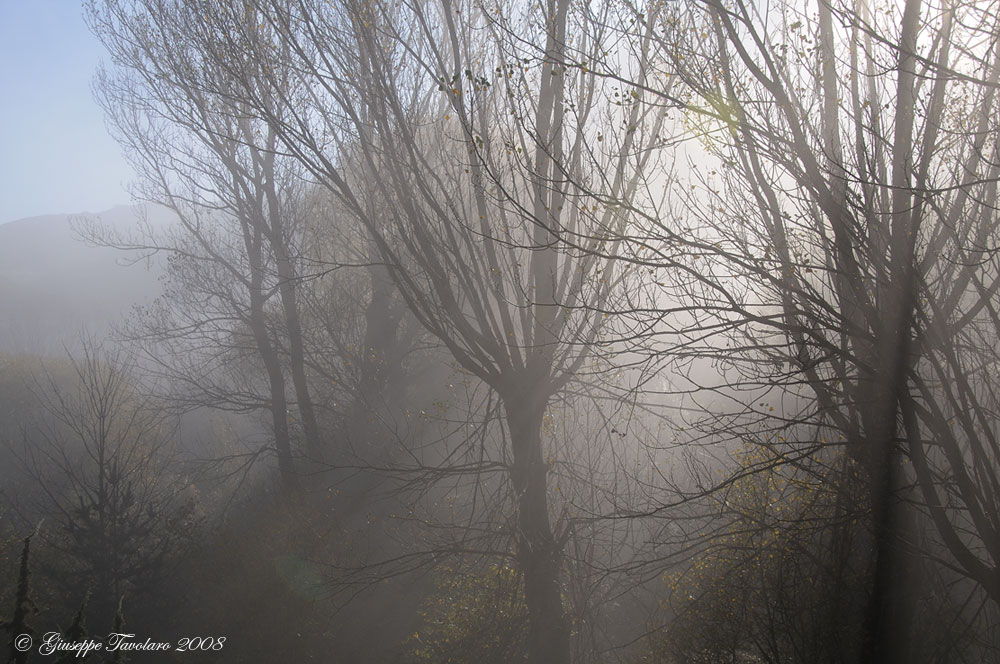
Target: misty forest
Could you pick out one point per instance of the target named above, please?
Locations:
(489, 331)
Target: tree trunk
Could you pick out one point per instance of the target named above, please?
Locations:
(287, 285)
(296, 352)
(279, 409)
(890, 614)
(538, 553)
(378, 366)
(275, 378)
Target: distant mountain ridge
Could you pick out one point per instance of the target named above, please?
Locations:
(53, 284)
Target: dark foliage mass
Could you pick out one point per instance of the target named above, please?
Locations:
(493, 331)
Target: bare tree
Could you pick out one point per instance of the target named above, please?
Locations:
(471, 134)
(842, 209)
(101, 467)
(237, 262)
(826, 256)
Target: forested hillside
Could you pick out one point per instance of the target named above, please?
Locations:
(53, 284)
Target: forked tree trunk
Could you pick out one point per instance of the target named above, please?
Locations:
(287, 285)
(538, 553)
(278, 408)
(272, 365)
(296, 352)
(889, 624)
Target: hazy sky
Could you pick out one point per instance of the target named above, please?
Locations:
(55, 154)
